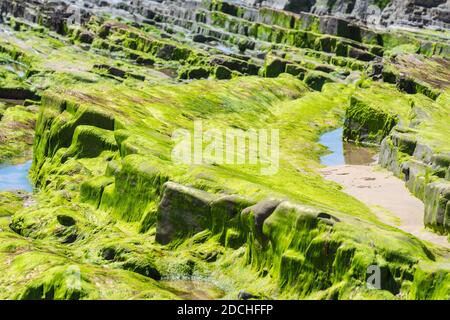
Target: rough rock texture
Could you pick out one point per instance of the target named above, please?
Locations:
(116, 90)
(416, 13)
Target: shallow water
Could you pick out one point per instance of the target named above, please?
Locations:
(15, 177)
(344, 152)
(193, 289)
(225, 49)
(333, 140)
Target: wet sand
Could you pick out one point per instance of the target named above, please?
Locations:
(387, 196)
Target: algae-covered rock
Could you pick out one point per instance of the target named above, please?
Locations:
(431, 276)
(222, 73)
(127, 259)
(274, 68)
(183, 211)
(194, 73)
(90, 142)
(367, 124)
(260, 212)
(10, 203)
(437, 205)
(316, 80)
(119, 91)
(58, 223)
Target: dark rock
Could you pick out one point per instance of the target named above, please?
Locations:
(194, 73)
(200, 38)
(222, 73)
(18, 94)
(244, 295)
(183, 211)
(360, 54)
(86, 37)
(65, 220)
(377, 71)
(296, 70)
(111, 70)
(316, 80)
(406, 85)
(325, 68)
(145, 267)
(327, 216)
(108, 253)
(274, 68)
(241, 66)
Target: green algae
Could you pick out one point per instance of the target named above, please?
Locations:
(102, 156)
(16, 133)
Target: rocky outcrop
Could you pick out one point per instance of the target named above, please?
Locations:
(425, 172)
(415, 13)
(185, 211)
(302, 246)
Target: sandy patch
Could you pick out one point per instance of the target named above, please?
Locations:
(387, 196)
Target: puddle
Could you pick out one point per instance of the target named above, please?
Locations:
(358, 155)
(344, 152)
(193, 289)
(15, 177)
(225, 49)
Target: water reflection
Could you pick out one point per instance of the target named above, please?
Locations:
(344, 152)
(15, 177)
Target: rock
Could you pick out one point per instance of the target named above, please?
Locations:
(406, 85)
(241, 66)
(145, 267)
(145, 61)
(360, 54)
(405, 143)
(296, 70)
(18, 94)
(244, 295)
(441, 160)
(183, 211)
(437, 205)
(86, 37)
(376, 71)
(274, 67)
(194, 73)
(200, 38)
(327, 216)
(260, 212)
(316, 80)
(111, 70)
(65, 220)
(417, 13)
(108, 253)
(325, 68)
(222, 73)
(130, 260)
(423, 153)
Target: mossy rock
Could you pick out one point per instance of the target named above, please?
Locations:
(317, 79)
